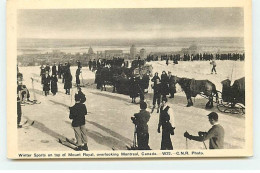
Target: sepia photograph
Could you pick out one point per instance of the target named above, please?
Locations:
(129, 82)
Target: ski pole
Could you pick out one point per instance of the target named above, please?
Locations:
(204, 145)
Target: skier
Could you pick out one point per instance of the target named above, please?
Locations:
(77, 114)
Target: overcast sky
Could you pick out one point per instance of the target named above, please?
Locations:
(131, 23)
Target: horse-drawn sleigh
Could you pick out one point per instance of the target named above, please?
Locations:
(230, 100)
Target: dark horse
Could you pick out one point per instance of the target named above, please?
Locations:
(119, 77)
(193, 87)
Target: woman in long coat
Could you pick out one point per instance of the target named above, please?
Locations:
(164, 84)
(46, 83)
(67, 81)
(134, 88)
(54, 87)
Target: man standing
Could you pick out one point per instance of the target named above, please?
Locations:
(78, 71)
(67, 81)
(46, 83)
(214, 65)
(140, 120)
(156, 94)
(54, 86)
(215, 134)
(166, 120)
(54, 69)
(47, 68)
(77, 114)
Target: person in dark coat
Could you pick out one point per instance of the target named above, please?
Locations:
(156, 94)
(77, 114)
(54, 69)
(67, 81)
(140, 120)
(155, 77)
(164, 83)
(23, 91)
(172, 85)
(19, 111)
(134, 88)
(47, 68)
(166, 121)
(64, 70)
(90, 64)
(167, 61)
(42, 74)
(78, 71)
(54, 86)
(46, 83)
(81, 95)
(79, 64)
(145, 82)
(94, 65)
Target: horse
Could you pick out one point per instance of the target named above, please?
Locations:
(193, 87)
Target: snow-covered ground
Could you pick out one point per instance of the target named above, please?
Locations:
(108, 122)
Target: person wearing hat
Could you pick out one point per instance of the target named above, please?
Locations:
(215, 134)
(78, 71)
(46, 83)
(77, 114)
(47, 68)
(81, 95)
(164, 84)
(54, 86)
(140, 120)
(166, 121)
(54, 69)
(156, 86)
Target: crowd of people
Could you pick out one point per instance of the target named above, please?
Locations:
(163, 86)
(197, 57)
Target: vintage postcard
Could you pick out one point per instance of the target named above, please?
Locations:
(129, 79)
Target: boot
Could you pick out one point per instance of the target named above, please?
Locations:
(85, 147)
